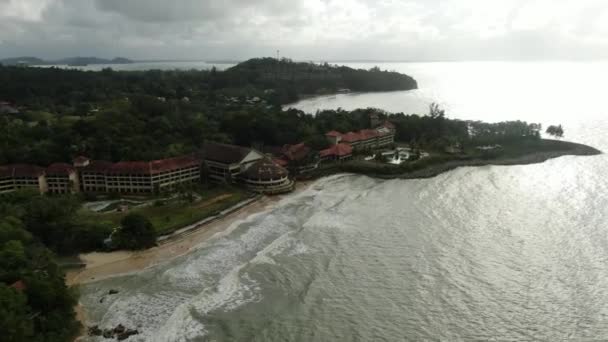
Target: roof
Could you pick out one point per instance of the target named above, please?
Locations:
(338, 150)
(21, 170)
(130, 167)
(265, 169)
(296, 152)
(151, 167)
(164, 165)
(333, 134)
(98, 166)
(59, 169)
(225, 153)
(364, 134)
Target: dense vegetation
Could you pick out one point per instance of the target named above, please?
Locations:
(135, 232)
(38, 306)
(147, 115)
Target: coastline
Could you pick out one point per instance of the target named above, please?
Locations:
(432, 168)
(101, 265)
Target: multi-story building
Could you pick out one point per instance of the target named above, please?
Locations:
(22, 176)
(365, 139)
(224, 163)
(337, 152)
(266, 176)
(140, 176)
(62, 178)
(101, 176)
(93, 175)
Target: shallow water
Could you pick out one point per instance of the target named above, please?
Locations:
(510, 253)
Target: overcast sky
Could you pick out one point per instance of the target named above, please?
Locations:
(306, 29)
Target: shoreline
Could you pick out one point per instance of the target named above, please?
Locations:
(99, 266)
(102, 265)
(436, 168)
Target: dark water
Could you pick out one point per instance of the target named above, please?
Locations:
(509, 253)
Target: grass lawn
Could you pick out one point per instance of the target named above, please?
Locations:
(175, 213)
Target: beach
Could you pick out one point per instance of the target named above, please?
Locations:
(101, 265)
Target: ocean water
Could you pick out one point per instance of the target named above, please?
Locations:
(499, 253)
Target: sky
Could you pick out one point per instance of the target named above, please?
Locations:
(415, 30)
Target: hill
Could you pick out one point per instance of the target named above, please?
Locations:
(312, 79)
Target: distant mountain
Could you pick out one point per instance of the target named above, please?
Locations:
(22, 61)
(76, 61)
(91, 60)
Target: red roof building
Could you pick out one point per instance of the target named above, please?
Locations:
(337, 152)
(295, 152)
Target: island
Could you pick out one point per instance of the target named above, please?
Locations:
(138, 160)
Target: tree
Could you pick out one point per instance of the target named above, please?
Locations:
(14, 322)
(556, 131)
(136, 232)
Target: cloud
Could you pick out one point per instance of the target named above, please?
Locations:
(306, 29)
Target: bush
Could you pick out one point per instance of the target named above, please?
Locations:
(136, 232)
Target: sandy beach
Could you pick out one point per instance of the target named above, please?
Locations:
(103, 265)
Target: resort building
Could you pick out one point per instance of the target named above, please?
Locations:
(102, 176)
(224, 162)
(92, 174)
(139, 176)
(298, 158)
(365, 139)
(62, 178)
(337, 153)
(22, 176)
(267, 177)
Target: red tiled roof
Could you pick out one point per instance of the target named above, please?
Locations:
(163, 165)
(296, 152)
(27, 170)
(339, 150)
(130, 167)
(19, 285)
(333, 134)
(153, 167)
(61, 169)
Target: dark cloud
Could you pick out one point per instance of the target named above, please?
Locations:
(306, 29)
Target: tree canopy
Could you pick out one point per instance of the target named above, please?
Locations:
(135, 232)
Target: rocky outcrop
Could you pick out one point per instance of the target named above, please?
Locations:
(120, 332)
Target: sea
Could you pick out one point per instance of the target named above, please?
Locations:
(493, 253)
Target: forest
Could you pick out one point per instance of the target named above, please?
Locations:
(153, 114)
